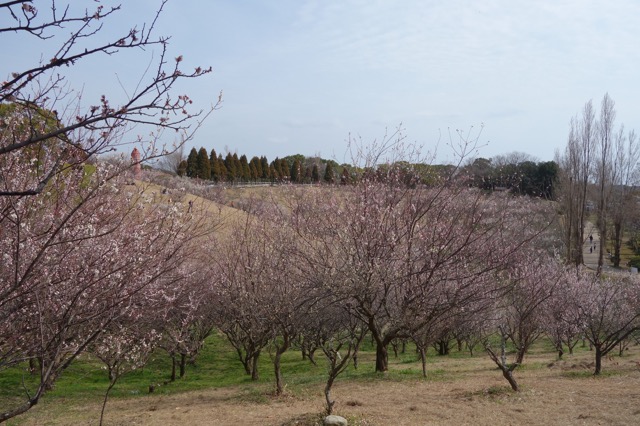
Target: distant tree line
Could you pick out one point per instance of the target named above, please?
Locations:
(212, 166)
(515, 172)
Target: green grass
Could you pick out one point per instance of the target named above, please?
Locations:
(218, 366)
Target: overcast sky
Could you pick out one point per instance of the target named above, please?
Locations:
(300, 76)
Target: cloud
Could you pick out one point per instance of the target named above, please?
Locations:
(460, 37)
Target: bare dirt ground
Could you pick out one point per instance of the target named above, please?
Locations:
(461, 391)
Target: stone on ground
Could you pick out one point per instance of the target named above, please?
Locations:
(335, 421)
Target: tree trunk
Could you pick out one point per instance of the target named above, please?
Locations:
(560, 351)
(327, 394)
(520, 355)
(183, 364)
(255, 376)
(617, 243)
(598, 360)
(276, 363)
(443, 347)
(106, 397)
(173, 368)
(423, 360)
(394, 345)
(508, 374)
(278, 372)
(245, 360)
(382, 358)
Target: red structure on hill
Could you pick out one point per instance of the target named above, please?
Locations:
(135, 160)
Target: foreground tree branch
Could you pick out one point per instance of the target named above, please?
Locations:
(82, 132)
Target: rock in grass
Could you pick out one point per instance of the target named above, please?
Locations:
(335, 421)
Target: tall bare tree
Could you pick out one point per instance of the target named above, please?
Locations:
(625, 162)
(605, 170)
(576, 172)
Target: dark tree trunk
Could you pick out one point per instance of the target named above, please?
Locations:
(508, 374)
(327, 394)
(173, 368)
(106, 397)
(520, 355)
(278, 373)
(382, 358)
(598, 368)
(617, 243)
(183, 365)
(423, 360)
(312, 356)
(277, 365)
(442, 347)
(245, 360)
(255, 375)
(560, 351)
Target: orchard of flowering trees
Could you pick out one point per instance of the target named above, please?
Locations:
(85, 255)
(96, 263)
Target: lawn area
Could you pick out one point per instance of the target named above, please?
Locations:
(216, 391)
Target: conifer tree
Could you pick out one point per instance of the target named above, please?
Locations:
(296, 175)
(266, 170)
(182, 168)
(307, 174)
(204, 168)
(215, 167)
(237, 165)
(254, 171)
(329, 174)
(277, 169)
(315, 174)
(345, 177)
(256, 164)
(224, 173)
(232, 172)
(192, 163)
(284, 166)
(244, 166)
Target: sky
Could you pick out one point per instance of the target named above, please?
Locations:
(305, 76)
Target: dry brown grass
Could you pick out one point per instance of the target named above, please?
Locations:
(463, 391)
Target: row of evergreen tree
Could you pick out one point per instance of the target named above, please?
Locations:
(297, 169)
(519, 175)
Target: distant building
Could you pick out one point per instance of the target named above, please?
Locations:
(135, 160)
